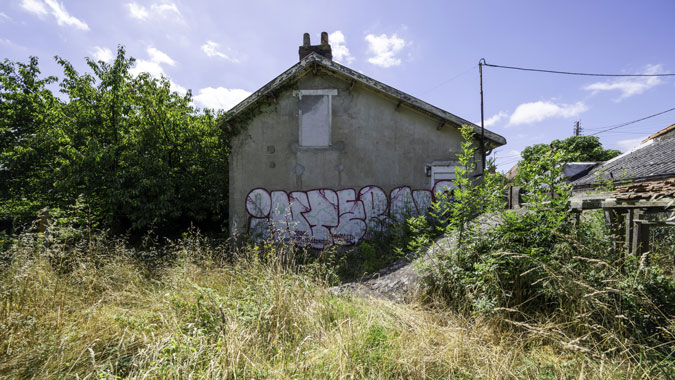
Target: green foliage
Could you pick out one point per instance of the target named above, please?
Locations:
(455, 209)
(542, 266)
(465, 201)
(30, 139)
(573, 149)
(545, 188)
(139, 154)
(369, 256)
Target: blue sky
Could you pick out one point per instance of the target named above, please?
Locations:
(223, 50)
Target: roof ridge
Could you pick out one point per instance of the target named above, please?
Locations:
(412, 101)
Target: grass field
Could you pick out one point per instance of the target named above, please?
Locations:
(95, 311)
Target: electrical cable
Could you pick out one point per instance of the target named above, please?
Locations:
(616, 126)
(515, 155)
(509, 162)
(643, 127)
(484, 63)
(444, 82)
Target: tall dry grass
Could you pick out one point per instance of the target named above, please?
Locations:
(92, 309)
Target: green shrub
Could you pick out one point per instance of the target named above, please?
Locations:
(538, 270)
(140, 155)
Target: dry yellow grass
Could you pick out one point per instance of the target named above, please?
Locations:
(109, 317)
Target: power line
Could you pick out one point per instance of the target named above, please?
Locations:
(576, 73)
(515, 155)
(509, 162)
(652, 124)
(644, 128)
(628, 133)
(483, 62)
(448, 80)
(631, 122)
(509, 158)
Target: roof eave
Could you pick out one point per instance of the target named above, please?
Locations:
(411, 101)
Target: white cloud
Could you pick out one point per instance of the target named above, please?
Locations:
(177, 88)
(103, 54)
(629, 144)
(340, 51)
(58, 10)
(63, 17)
(384, 49)
(161, 10)
(145, 66)
(159, 57)
(166, 9)
(3, 17)
(153, 66)
(210, 48)
(220, 98)
(34, 6)
(137, 11)
(496, 118)
(534, 112)
(629, 87)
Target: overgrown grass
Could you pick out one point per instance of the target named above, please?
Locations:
(94, 310)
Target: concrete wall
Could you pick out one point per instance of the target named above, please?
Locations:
(374, 143)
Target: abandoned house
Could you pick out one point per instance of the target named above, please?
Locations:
(326, 155)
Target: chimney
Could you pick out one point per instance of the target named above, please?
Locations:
(323, 49)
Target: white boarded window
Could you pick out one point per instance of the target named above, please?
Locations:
(315, 117)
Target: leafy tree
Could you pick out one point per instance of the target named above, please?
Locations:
(572, 149)
(141, 153)
(575, 148)
(137, 153)
(29, 138)
(471, 195)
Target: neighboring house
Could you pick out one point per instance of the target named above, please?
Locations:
(643, 196)
(571, 170)
(513, 172)
(652, 161)
(326, 155)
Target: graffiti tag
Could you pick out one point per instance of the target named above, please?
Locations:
(321, 218)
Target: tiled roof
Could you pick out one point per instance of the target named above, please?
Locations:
(660, 133)
(651, 160)
(646, 190)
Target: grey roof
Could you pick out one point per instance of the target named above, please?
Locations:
(314, 61)
(652, 160)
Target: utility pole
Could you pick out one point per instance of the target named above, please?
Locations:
(577, 128)
(482, 114)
